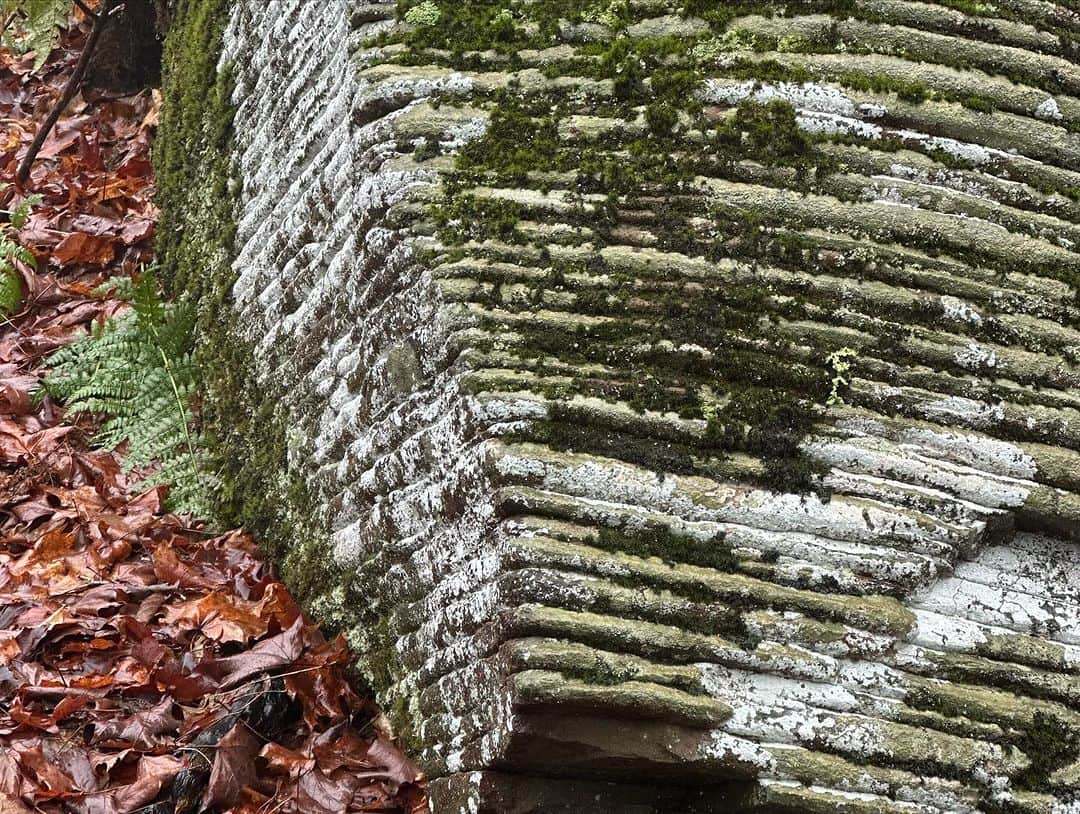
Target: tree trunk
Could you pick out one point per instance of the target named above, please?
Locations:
(129, 55)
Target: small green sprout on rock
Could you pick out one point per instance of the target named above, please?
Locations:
(425, 15)
(793, 43)
(734, 41)
(710, 406)
(839, 362)
(614, 16)
(502, 26)
(708, 51)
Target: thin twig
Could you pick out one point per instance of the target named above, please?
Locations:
(100, 21)
(89, 12)
(224, 693)
(8, 20)
(276, 808)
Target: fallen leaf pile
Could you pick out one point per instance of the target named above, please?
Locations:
(145, 663)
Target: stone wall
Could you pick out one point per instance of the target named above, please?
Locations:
(678, 400)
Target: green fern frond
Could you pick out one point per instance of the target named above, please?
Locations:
(41, 25)
(192, 484)
(10, 291)
(11, 251)
(137, 370)
(21, 213)
(147, 304)
(42, 22)
(123, 288)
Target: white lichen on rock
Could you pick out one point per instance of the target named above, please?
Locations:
(512, 389)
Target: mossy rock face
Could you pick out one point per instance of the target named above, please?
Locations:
(687, 389)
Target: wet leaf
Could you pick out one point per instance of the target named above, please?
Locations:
(143, 730)
(287, 761)
(269, 654)
(80, 247)
(10, 777)
(234, 767)
(219, 617)
(154, 772)
(169, 568)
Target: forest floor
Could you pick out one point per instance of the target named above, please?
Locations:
(146, 663)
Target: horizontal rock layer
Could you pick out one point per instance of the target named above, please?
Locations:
(690, 390)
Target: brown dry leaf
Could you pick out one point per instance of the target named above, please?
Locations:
(169, 568)
(81, 247)
(318, 793)
(286, 761)
(218, 617)
(154, 113)
(154, 772)
(397, 766)
(252, 802)
(63, 136)
(51, 780)
(323, 689)
(143, 730)
(234, 767)
(269, 654)
(10, 777)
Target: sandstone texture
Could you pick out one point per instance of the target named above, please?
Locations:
(684, 395)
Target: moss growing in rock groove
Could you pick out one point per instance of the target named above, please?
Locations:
(1051, 744)
(197, 197)
(515, 143)
(480, 25)
(605, 671)
(650, 175)
(192, 161)
(464, 217)
(771, 425)
(768, 132)
(671, 547)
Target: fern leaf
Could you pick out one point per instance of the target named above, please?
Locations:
(192, 484)
(123, 288)
(147, 303)
(42, 23)
(138, 371)
(21, 213)
(11, 251)
(10, 291)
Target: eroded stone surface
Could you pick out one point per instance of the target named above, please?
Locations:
(558, 305)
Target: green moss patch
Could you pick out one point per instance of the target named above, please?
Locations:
(196, 236)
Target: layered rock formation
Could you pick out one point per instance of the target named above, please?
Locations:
(687, 392)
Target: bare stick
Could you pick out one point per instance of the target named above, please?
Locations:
(89, 12)
(7, 20)
(100, 21)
